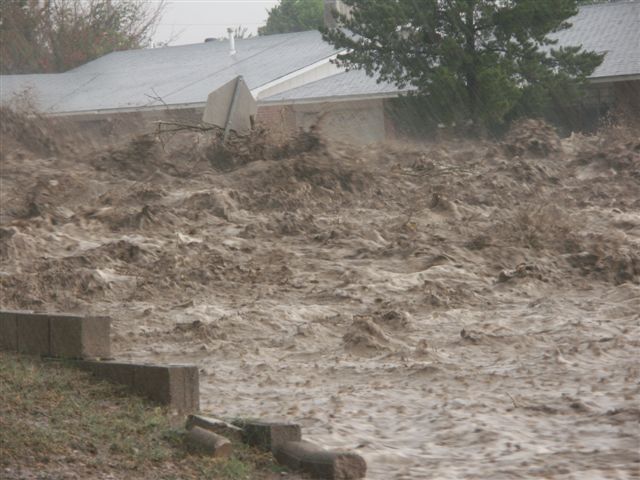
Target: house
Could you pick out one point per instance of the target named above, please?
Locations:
(294, 80)
(179, 77)
(612, 29)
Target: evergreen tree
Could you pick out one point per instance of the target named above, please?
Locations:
(294, 16)
(478, 60)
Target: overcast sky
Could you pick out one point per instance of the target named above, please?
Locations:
(191, 21)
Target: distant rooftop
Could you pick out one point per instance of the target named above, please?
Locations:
(611, 28)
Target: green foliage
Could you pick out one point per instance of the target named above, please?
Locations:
(56, 35)
(294, 16)
(479, 60)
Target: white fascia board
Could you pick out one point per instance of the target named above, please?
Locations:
(271, 87)
(617, 78)
(107, 111)
(333, 99)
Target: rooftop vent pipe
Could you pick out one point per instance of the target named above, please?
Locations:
(232, 42)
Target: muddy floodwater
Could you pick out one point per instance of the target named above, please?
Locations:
(453, 309)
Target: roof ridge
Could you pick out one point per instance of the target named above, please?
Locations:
(218, 44)
(225, 39)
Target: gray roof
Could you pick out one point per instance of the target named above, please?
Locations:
(179, 75)
(611, 28)
(351, 85)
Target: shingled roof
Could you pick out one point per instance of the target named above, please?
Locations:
(611, 28)
(350, 85)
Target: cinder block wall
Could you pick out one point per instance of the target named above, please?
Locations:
(354, 121)
(87, 339)
(55, 335)
(277, 118)
(113, 126)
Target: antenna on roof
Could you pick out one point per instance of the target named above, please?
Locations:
(232, 41)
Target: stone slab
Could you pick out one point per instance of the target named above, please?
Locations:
(189, 392)
(174, 385)
(33, 334)
(318, 462)
(267, 435)
(8, 331)
(215, 425)
(75, 336)
(207, 442)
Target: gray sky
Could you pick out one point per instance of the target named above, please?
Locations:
(191, 21)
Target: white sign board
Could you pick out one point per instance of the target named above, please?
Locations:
(231, 106)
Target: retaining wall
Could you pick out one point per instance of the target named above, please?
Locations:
(87, 340)
(176, 386)
(55, 335)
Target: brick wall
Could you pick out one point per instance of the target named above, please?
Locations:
(138, 122)
(277, 118)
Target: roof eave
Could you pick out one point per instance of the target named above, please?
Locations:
(332, 99)
(142, 109)
(615, 78)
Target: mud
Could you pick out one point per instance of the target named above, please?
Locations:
(452, 310)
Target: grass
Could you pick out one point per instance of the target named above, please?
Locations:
(59, 422)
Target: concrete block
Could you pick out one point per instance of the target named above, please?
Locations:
(215, 425)
(50, 334)
(114, 372)
(207, 442)
(176, 386)
(318, 462)
(33, 333)
(8, 331)
(268, 435)
(75, 336)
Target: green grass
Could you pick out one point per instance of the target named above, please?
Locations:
(55, 418)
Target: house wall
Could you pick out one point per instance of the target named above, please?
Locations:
(408, 118)
(359, 121)
(627, 98)
(279, 119)
(602, 99)
(113, 126)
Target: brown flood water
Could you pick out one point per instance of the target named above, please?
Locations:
(447, 311)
